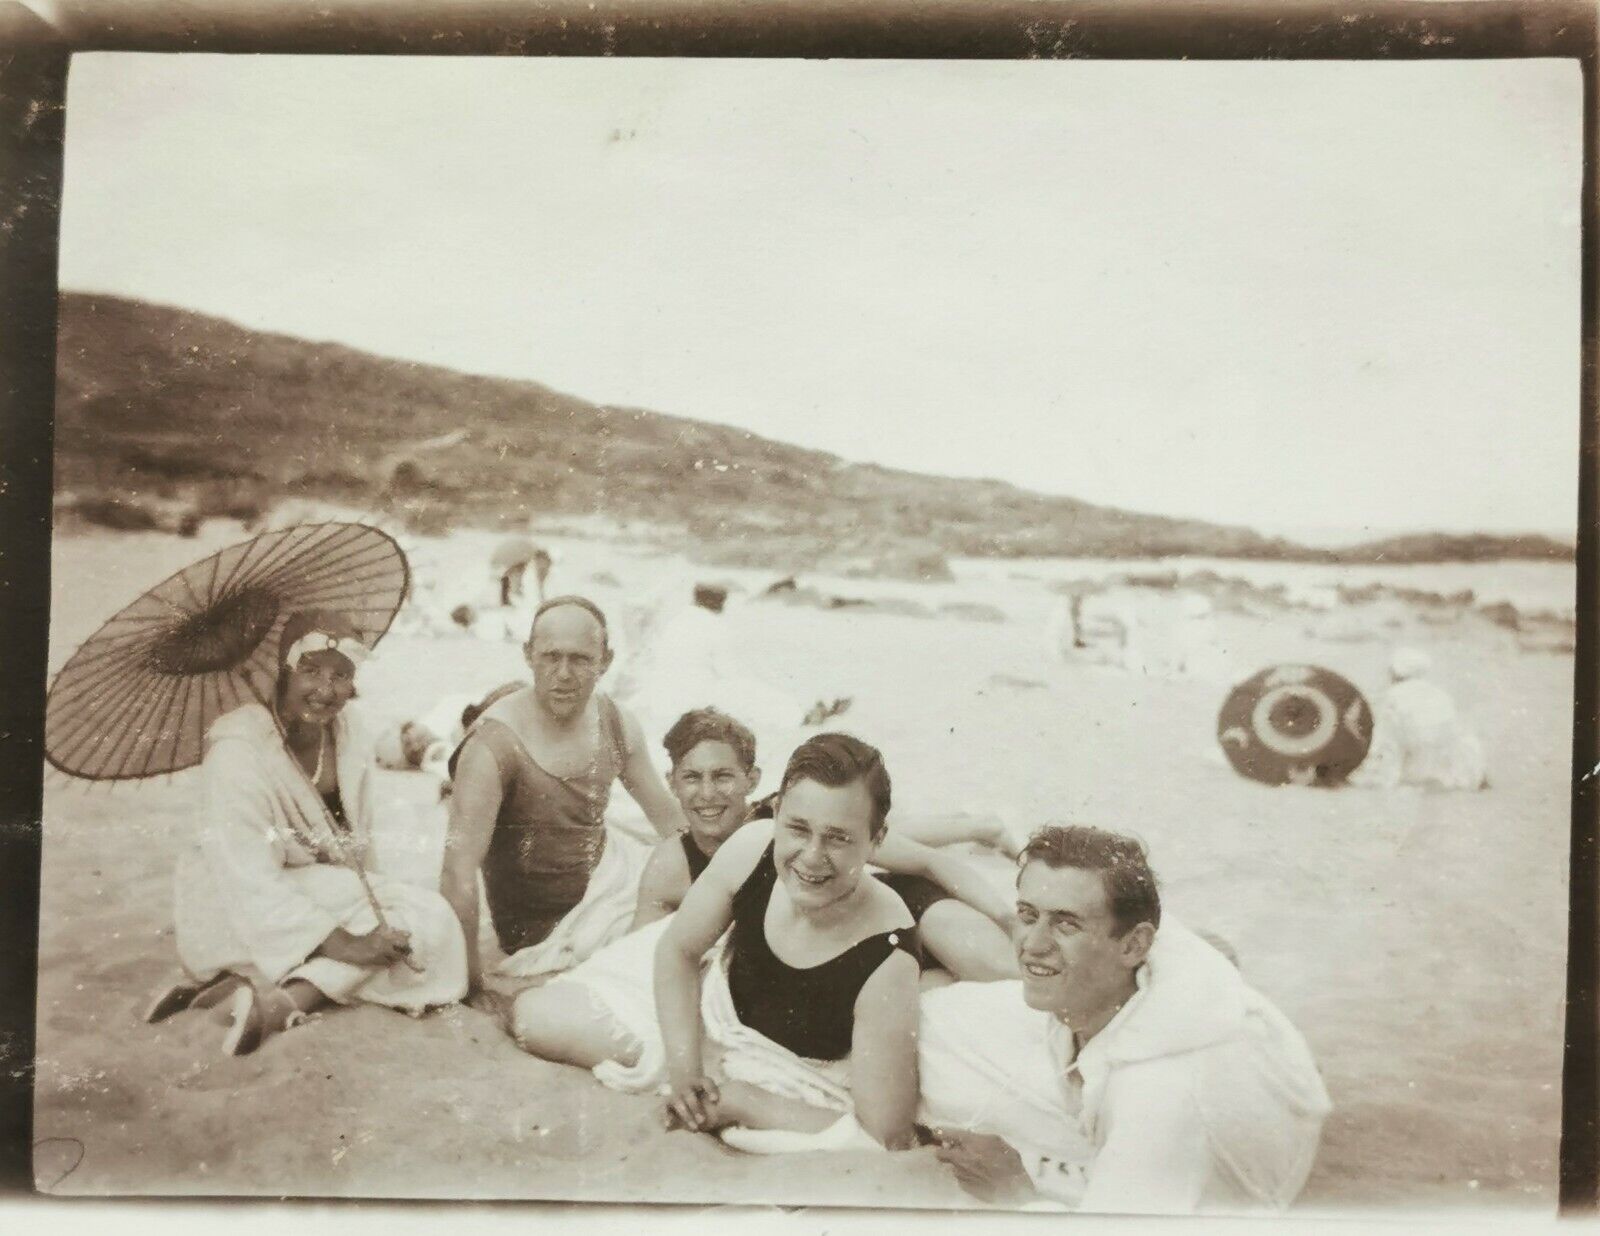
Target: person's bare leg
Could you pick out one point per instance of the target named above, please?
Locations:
(565, 1024)
(303, 997)
(966, 943)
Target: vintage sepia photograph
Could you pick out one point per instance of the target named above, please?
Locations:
(947, 635)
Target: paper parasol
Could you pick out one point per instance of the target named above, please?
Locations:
(1295, 725)
(136, 699)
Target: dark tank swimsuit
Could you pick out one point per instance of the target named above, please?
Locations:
(550, 832)
(918, 892)
(810, 1010)
(697, 858)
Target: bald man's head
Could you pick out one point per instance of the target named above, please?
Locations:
(582, 605)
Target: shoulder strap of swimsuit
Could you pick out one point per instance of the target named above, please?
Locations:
(757, 886)
(694, 856)
(611, 727)
(497, 737)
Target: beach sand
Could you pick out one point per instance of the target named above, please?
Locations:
(1417, 939)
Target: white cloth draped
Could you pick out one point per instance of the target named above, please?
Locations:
(1201, 1096)
(621, 979)
(602, 916)
(1418, 738)
(254, 896)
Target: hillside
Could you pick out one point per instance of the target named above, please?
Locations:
(160, 403)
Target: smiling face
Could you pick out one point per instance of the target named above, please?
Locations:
(567, 654)
(316, 689)
(1072, 965)
(714, 789)
(822, 840)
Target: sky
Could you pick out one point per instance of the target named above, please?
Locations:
(1317, 298)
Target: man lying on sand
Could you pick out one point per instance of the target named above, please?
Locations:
(1131, 1069)
(601, 1015)
(531, 784)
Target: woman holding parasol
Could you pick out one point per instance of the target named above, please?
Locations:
(272, 892)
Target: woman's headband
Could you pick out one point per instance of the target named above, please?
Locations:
(353, 650)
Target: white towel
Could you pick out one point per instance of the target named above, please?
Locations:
(750, 1056)
(604, 914)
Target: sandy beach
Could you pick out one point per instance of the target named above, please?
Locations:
(1417, 939)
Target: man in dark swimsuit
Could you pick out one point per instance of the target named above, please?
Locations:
(713, 773)
(532, 781)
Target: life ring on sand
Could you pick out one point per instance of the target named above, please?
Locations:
(1295, 725)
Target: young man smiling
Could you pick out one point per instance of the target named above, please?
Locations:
(1131, 1069)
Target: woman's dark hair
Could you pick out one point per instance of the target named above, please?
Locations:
(1121, 863)
(708, 725)
(838, 760)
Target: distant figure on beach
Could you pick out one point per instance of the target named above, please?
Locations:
(509, 564)
(426, 742)
(1418, 737)
(1154, 632)
(269, 912)
(531, 782)
(1131, 1070)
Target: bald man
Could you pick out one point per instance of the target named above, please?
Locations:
(531, 783)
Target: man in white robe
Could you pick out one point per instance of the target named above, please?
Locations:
(1131, 1070)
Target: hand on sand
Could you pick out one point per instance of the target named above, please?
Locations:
(694, 1105)
(985, 1166)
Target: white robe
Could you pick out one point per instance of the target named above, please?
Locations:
(1200, 1095)
(253, 895)
(1418, 738)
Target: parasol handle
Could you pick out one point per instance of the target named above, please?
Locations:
(354, 864)
(349, 859)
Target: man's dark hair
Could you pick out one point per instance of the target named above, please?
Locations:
(838, 760)
(708, 725)
(583, 603)
(1121, 862)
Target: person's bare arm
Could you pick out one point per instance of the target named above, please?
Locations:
(955, 875)
(641, 778)
(663, 884)
(706, 911)
(952, 828)
(883, 1053)
(474, 805)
